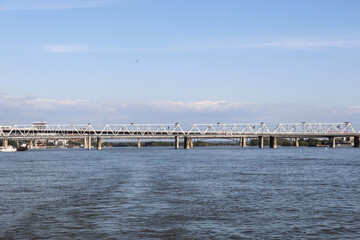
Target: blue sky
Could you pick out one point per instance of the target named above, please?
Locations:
(122, 61)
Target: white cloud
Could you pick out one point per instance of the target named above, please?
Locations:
(237, 44)
(288, 43)
(65, 48)
(50, 4)
(29, 102)
(351, 110)
(302, 43)
(242, 44)
(201, 106)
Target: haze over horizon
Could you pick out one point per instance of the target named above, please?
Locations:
(122, 61)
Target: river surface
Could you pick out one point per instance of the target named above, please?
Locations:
(163, 193)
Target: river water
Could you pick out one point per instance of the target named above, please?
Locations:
(163, 193)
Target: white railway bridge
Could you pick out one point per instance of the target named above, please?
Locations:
(239, 131)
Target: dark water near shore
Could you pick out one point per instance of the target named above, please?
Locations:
(163, 193)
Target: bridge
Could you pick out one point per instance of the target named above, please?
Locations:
(240, 131)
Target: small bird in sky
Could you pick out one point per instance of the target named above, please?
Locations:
(137, 61)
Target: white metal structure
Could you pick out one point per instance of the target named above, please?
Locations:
(229, 129)
(216, 130)
(314, 128)
(48, 130)
(142, 129)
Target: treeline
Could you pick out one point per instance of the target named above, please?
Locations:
(311, 142)
(171, 144)
(10, 142)
(73, 143)
(143, 144)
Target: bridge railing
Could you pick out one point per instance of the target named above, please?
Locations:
(229, 129)
(314, 128)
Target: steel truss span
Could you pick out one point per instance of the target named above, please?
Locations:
(217, 130)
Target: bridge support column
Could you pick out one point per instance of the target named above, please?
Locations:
(332, 142)
(5, 142)
(86, 143)
(273, 142)
(261, 142)
(357, 141)
(138, 143)
(98, 144)
(243, 141)
(89, 143)
(31, 144)
(186, 143)
(177, 144)
(191, 143)
(297, 142)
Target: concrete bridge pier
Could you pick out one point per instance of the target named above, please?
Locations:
(177, 144)
(191, 143)
(273, 142)
(86, 143)
(332, 142)
(297, 142)
(357, 141)
(89, 143)
(5, 142)
(186, 143)
(261, 141)
(98, 144)
(138, 143)
(31, 144)
(242, 142)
